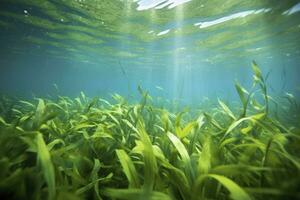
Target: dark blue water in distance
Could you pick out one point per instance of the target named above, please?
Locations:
(186, 50)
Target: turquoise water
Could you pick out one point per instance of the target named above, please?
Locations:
(185, 50)
(149, 99)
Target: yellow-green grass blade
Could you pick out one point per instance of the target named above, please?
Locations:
(46, 164)
(128, 168)
(236, 192)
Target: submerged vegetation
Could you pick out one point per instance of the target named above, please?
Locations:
(92, 149)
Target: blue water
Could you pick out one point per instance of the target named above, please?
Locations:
(107, 47)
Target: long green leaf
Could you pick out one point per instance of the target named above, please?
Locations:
(137, 194)
(236, 192)
(150, 168)
(128, 168)
(44, 159)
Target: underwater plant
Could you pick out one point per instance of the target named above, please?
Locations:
(85, 148)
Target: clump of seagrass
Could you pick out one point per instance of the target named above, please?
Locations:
(92, 149)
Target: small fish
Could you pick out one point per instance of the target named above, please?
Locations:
(55, 86)
(122, 69)
(283, 78)
(289, 95)
(159, 88)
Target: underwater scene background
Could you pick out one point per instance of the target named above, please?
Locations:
(149, 99)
